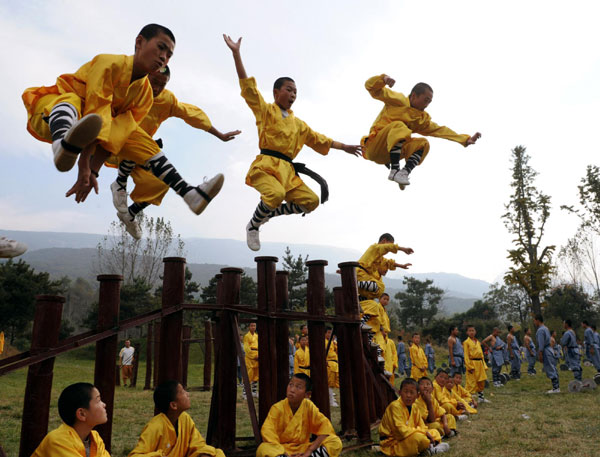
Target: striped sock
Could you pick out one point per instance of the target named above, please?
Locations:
(413, 160)
(285, 209)
(61, 119)
(260, 216)
(136, 208)
(395, 155)
(369, 286)
(166, 172)
(125, 169)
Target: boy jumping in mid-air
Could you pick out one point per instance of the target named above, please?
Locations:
(281, 135)
(390, 140)
(148, 188)
(291, 422)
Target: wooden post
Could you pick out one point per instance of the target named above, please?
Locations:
(156, 351)
(282, 335)
(315, 304)
(136, 365)
(118, 375)
(148, 380)
(105, 369)
(36, 405)
(208, 335)
(344, 361)
(267, 346)
(350, 300)
(169, 355)
(227, 366)
(185, 356)
(211, 427)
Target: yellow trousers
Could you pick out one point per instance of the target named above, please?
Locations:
(417, 441)
(41, 108)
(332, 443)
(378, 148)
(472, 385)
(333, 379)
(252, 367)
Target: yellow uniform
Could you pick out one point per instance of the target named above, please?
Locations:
(396, 122)
(1, 342)
(148, 188)
(160, 439)
(418, 361)
(385, 318)
(251, 350)
(285, 432)
(390, 354)
(302, 361)
(438, 412)
(275, 178)
(333, 369)
(102, 86)
(403, 434)
(475, 366)
(461, 395)
(65, 442)
(444, 398)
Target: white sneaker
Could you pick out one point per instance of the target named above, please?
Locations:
(11, 248)
(553, 391)
(198, 201)
(462, 417)
(399, 176)
(380, 359)
(119, 197)
(439, 448)
(252, 237)
(131, 225)
(365, 327)
(484, 400)
(387, 373)
(81, 133)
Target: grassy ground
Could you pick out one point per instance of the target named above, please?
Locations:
(559, 425)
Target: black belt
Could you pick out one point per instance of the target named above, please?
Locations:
(459, 356)
(476, 359)
(363, 298)
(301, 168)
(304, 368)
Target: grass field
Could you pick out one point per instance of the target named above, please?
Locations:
(559, 425)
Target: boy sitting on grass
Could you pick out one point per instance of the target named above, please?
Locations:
(291, 422)
(433, 414)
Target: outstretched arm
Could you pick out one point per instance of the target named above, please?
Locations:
(355, 150)
(473, 139)
(227, 136)
(237, 57)
(404, 266)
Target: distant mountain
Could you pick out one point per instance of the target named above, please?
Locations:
(72, 254)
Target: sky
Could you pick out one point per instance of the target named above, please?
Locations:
(521, 73)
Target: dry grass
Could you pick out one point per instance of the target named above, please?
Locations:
(559, 425)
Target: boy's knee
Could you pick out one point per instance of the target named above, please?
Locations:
(310, 204)
(273, 197)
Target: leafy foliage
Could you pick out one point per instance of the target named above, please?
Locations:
(418, 303)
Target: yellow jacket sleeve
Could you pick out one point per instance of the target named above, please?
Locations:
(270, 425)
(253, 98)
(190, 114)
(65, 442)
(395, 421)
(315, 140)
(378, 90)
(438, 131)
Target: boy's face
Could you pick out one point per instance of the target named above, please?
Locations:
(426, 387)
(471, 332)
(95, 414)
(384, 300)
(127, 343)
(182, 399)
(252, 327)
(285, 95)
(408, 394)
(328, 334)
(455, 331)
(304, 330)
(442, 379)
(421, 102)
(416, 339)
(158, 81)
(296, 391)
(153, 54)
(449, 383)
(458, 379)
(303, 341)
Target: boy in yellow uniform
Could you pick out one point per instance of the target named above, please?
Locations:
(372, 266)
(390, 140)
(475, 365)
(149, 189)
(456, 396)
(391, 357)
(291, 422)
(460, 392)
(81, 409)
(251, 352)
(302, 357)
(281, 136)
(432, 413)
(172, 432)
(418, 359)
(444, 397)
(402, 431)
(113, 95)
(333, 370)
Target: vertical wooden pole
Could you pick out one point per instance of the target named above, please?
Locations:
(208, 347)
(315, 303)
(344, 361)
(36, 405)
(185, 356)
(105, 369)
(211, 427)
(350, 299)
(267, 347)
(282, 334)
(149, 341)
(156, 351)
(136, 365)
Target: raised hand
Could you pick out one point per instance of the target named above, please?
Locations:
(228, 136)
(389, 81)
(473, 139)
(355, 150)
(233, 45)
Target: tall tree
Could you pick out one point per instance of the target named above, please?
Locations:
(511, 302)
(526, 215)
(418, 304)
(247, 291)
(296, 279)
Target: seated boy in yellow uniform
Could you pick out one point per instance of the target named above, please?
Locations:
(149, 189)
(444, 397)
(172, 431)
(251, 358)
(113, 95)
(418, 359)
(390, 140)
(475, 365)
(432, 413)
(402, 431)
(463, 405)
(302, 357)
(372, 265)
(291, 422)
(460, 392)
(281, 135)
(333, 370)
(81, 409)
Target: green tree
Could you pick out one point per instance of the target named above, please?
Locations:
(19, 284)
(527, 213)
(248, 291)
(509, 302)
(571, 302)
(418, 304)
(297, 278)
